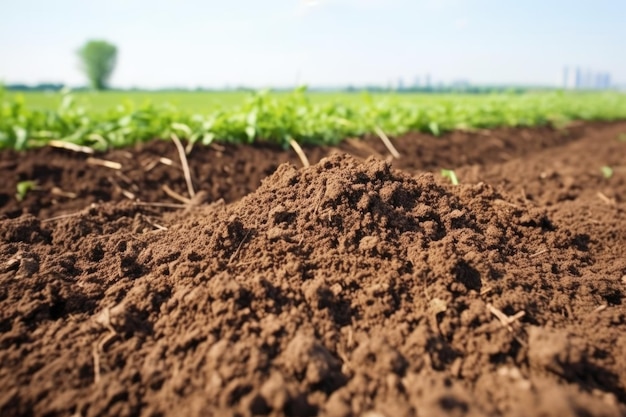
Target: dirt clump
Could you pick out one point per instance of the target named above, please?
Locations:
(343, 289)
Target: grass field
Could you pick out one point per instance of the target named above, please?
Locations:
(199, 102)
(208, 101)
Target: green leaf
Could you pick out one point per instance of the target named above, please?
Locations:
(181, 127)
(451, 175)
(250, 132)
(21, 137)
(23, 188)
(434, 128)
(607, 171)
(208, 138)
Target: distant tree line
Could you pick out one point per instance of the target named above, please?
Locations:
(439, 89)
(35, 87)
(447, 89)
(349, 89)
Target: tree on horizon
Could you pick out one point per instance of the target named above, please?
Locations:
(98, 58)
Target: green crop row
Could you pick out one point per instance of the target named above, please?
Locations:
(280, 119)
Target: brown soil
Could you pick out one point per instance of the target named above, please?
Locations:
(345, 289)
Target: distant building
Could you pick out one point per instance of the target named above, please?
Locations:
(579, 78)
(589, 79)
(598, 81)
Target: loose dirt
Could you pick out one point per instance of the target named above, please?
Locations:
(355, 287)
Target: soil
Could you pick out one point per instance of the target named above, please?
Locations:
(360, 286)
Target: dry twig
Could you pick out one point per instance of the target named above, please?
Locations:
(486, 290)
(124, 192)
(359, 144)
(505, 203)
(392, 150)
(153, 224)
(59, 192)
(541, 252)
(104, 163)
(183, 161)
(166, 161)
(504, 319)
(68, 215)
(175, 195)
(164, 205)
(234, 255)
(296, 147)
(600, 308)
(604, 198)
(71, 146)
(149, 166)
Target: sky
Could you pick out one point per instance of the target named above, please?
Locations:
(209, 43)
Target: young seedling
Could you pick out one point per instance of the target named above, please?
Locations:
(607, 171)
(23, 188)
(451, 175)
(271, 117)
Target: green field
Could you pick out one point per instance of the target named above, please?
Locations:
(115, 119)
(205, 101)
(197, 102)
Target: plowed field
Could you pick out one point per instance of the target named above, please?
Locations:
(359, 286)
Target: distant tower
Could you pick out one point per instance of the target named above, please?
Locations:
(579, 78)
(565, 77)
(589, 79)
(416, 82)
(598, 81)
(427, 81)
(400, 84)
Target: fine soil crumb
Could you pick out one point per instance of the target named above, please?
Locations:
(344, 289)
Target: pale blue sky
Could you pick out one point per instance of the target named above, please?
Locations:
(325, 42)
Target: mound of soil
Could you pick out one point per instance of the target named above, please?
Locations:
(348, 288)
